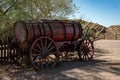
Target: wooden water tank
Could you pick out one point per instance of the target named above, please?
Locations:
(58, 30)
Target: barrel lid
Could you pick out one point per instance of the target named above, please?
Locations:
(19, 31)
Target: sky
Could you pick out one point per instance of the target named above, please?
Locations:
(104, 12)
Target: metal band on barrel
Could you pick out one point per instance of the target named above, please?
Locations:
(33, 31)
(80, 30)
(39, 29)
(74, 31)
(64, 30)
(43, 28)
(26, 30)
(50, 29)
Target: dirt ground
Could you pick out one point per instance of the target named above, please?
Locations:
(105, 66)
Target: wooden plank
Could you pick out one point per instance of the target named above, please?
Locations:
(7, 54)
(1, 53)
(4, 52)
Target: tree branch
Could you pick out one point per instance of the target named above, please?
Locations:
(6, 10)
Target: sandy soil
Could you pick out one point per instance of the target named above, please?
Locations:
(105, 66)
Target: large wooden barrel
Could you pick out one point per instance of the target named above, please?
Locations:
(58, 30)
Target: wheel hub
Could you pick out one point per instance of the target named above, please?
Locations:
(85, 49)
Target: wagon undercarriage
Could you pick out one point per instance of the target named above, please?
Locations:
(45, 53)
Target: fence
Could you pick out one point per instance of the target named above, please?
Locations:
(112, 36)
(117, 37)
(6, 53)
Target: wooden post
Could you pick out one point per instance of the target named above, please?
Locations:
(115, 36)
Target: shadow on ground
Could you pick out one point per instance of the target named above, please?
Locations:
(67, 70)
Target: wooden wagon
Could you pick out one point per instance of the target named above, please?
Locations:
(44, 41)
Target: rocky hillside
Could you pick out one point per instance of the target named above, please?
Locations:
(113, 32)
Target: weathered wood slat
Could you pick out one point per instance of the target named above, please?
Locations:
(6, 54)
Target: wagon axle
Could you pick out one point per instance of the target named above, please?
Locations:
(85, 49)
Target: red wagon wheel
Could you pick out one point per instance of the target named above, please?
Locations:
(44, 53)
(86, 50)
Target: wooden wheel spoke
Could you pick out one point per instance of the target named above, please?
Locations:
(36, 50)
(85, 42)
(82, 45)
(90, 53)
(36, 54)
(34, 58)
(90, 56)
(92, 50)
(83, 57)
(82, 54)
(41, 42)
(39, 47)
(49, 45)
(87, 56)
(50, 49)
(88, 44)
(85, 48)
(45, 43)
(90, 47)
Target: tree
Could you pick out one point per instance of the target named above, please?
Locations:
(37, 9)
(12, 10)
